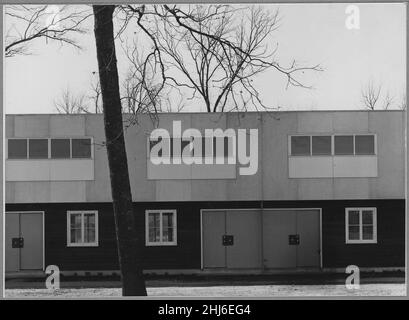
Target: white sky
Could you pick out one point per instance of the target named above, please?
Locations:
(309, 33)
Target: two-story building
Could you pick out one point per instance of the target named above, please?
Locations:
(323, 190)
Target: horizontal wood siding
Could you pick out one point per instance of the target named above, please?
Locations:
(388, 252)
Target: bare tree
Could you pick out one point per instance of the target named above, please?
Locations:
(211, 51)
(52, 23)
(95, 95)
(69, 103)
(373, 97)
(403, 104)
(370, 95)
(153, 74)
(129, 241)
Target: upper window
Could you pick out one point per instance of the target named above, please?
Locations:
(344, 145)
(17, 148)
(160, 227)
(60, 148)
(81, 148)
(321, 145)
(365, 144)
(360, 225)
(82, 228)
(38, 148)
(49, 148)
(300, 145)
(205, 144)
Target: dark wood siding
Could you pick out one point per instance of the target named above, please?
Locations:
(388, 252)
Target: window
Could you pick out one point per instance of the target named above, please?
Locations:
(82, 228)
(365, 144)
(49, 148)
(227, 146)
(17, 148)
(300, 146)
(81, 148)
(60, 148)
(360, 225)
(344, 145)
(38, 148)
(321, 145)
(160, 227)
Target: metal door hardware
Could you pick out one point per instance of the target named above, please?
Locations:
(228, 240)
(17, 242)
(293, 239)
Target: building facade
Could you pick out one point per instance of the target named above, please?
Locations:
(326, 190)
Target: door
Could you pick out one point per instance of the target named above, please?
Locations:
(31, 230)
(244, 226)
(213, 228)
(24, 241)
(231, 239)
(308, 229)
(12, 231)
(291, 238)
(277, 227)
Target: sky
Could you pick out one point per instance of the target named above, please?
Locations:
(309, 33)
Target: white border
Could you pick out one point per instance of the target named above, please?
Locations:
(161, 243)
(374, 224)
(82, 244)
(259, 209)
(43, 236)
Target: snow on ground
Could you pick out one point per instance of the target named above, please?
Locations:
(220, 291)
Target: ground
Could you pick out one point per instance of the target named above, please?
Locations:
(213, 287)
(220, 291)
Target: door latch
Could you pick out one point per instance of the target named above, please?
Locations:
(227, 240)
(17, 242)
(293, 239)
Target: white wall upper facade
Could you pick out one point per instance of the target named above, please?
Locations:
(279, 176)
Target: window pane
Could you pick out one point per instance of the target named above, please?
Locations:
(367, 232)
(367, 217)
(167, 235)
(321, 145)
(154, 235)
(76, 236)
(354, 233)
(89, 227)
(300, 146)
(17, 148)
(81, 148)
(60, 148)
(75, 227)
(353, 218)
(365, 144)
(344, 145)
(154, 220)
(167, 219)
(38, 148)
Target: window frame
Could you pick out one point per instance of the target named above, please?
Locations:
(333, 135)
(374, 240)
(49, 157)
(175, 229)
(7, 146)
(82, 244)
(226, 157)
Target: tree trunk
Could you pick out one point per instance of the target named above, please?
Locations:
(128, 240)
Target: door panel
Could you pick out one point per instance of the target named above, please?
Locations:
(246, 249)
(308, 227)
(277, 226)
(12, 230)
(213, 226)
(31, 229)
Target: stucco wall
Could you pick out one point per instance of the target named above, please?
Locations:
(271, 182)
